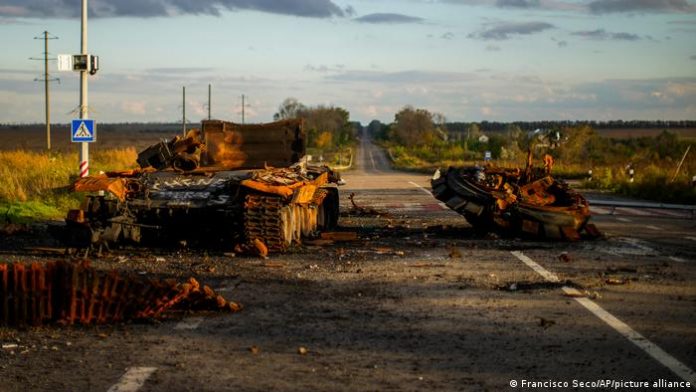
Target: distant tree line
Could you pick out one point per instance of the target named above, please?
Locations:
(327, 127)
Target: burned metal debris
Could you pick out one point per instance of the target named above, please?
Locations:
(530, 202)
(229, 184)
(67, 293)
(358, 210)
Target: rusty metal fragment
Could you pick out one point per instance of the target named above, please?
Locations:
(515, 201)
(358, 210)
(68, 293)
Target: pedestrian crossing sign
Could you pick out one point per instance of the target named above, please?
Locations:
(83, 130)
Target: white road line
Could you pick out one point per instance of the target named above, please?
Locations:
(640, 244)
(690, 238)
(651, 227)
(634, 211)
(189, 324)
(134, 378)
(624, 329)
(372, 159)
(420, 187)
(677, 259)
(600, 210)
(625, 220)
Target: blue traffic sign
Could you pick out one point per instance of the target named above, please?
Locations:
(83, 130)
(487, 156)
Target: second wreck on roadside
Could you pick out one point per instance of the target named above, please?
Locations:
(515, 201)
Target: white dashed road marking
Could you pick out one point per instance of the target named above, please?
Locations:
(133, 380)
(690, 238)
(651, 227)
(624, 329)
(420, 187)
(677, 259)
(625, 220)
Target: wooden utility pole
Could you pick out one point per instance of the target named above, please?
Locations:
(183, 114)
(209, 100)
(46, 79)
(243, 105)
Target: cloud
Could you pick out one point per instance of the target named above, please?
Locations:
(517, 3)
(324, 68)
(549, 5)
(154, 8)
(134, 107)
(562, 44)
(388, 18)
(504, 30)
(448, 35)
(179, 70)
(693, 57)
(493, 48)
(640, 6)
(602, 35)
(402, 77)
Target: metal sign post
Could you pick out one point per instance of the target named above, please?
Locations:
(84, 150)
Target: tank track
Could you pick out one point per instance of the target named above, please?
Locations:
(279, 224)
(263, 221)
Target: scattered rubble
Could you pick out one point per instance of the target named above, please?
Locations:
(545, 323)
(73, 292)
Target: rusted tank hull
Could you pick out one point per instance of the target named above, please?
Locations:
(246, 187)
(501, 200)
(225, 208)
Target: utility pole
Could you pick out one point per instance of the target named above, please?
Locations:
(46, 79)
(183, 116)
(209, 100)
(243, 105)
(84, 150)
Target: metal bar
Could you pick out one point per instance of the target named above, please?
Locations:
(84, 150)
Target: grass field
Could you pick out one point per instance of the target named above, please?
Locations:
(109, 136)
(34, 185)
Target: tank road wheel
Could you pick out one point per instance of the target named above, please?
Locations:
(298, 222)
(328, 208)
(287, 219)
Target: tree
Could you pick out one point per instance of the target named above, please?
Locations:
(326, 126)
(290, 108)
(413, 126)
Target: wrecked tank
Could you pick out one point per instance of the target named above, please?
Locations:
(243, 186)
(515, 201)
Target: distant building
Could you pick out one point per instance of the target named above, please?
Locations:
(483, 139)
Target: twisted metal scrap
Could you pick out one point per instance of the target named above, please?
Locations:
(67, 293)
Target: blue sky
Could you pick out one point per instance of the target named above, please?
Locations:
(471, 60)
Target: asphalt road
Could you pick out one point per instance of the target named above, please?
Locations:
(420, 303)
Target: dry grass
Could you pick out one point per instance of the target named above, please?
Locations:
(28, 175)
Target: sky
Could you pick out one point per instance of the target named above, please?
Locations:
(470, 60)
